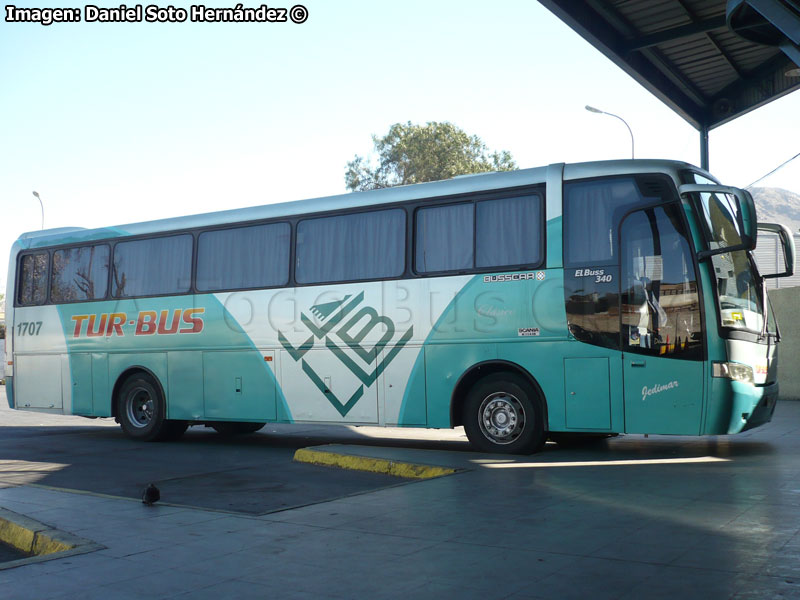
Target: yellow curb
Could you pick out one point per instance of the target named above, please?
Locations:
(372, 465)
(46, 545)
(17, 536)
(38, 541)
(30, 541)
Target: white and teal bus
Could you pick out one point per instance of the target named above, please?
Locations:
(564, 301)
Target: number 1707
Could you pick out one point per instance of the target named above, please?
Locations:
(29, 328)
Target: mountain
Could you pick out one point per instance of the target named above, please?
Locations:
(774, 205)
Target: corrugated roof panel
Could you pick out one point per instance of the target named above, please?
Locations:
(687, 49)
(705, 9)
(682, 51)
(649, 17)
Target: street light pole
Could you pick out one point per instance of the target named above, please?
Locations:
(40, 204)
(602, 112)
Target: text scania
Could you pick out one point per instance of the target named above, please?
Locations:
(147, 322)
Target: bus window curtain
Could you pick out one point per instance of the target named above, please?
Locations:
(591, 214)
(152, 267)
(509, 231)
(245, 257)
(352, 247)
(444, 238)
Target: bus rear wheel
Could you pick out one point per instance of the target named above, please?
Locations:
(504, 414)
(141, 411)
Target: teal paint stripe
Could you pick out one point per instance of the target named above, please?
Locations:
(10, 391)
(78, 235)
(554, 200)
(555, 247)
(419, 364)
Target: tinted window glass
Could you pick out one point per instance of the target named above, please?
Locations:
(246, 257)
(152, 267)
(79, 274)
(660, 307)
(444, 238)
(33, 279)
(351, 247)
(509, 231)
(592, 303)
(592, 211)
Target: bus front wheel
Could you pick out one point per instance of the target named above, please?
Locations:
(504, 414)
(141, 411)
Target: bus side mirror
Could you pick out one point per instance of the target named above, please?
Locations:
(726, 212)
(787, 244)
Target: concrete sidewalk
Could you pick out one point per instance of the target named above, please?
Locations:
(631, 518)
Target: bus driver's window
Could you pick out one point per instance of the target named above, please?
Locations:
(659, 299)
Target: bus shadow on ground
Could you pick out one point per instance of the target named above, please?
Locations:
(255, 474)
(252, 474)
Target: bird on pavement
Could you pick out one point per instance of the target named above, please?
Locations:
(151, 495)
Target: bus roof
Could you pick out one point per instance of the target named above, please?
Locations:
(437, 189)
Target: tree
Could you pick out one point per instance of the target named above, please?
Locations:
(416, 153)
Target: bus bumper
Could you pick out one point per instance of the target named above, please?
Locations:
(752, 405)
(762, 411)
(10, 391)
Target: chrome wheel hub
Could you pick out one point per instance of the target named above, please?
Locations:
(501, 418)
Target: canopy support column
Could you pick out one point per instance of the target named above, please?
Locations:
(704, 146)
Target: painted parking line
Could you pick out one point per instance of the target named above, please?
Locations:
(406, 470)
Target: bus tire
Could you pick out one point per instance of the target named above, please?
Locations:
(504, 414)
(141, 411)
(228, 428)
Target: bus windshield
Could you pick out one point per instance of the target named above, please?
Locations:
(738, 291)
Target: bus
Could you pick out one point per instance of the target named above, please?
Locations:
(565, 302)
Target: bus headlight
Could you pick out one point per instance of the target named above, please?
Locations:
(734, 371)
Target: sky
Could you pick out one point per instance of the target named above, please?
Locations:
(114, 123)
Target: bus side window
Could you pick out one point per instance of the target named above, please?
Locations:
(33, 279)
(508, 231)
(152, 266)
(444, 238)
(80, 273)
(243, 257)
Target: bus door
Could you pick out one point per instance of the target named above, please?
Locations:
(661, 329)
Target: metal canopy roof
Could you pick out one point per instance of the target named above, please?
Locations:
(687, 54)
